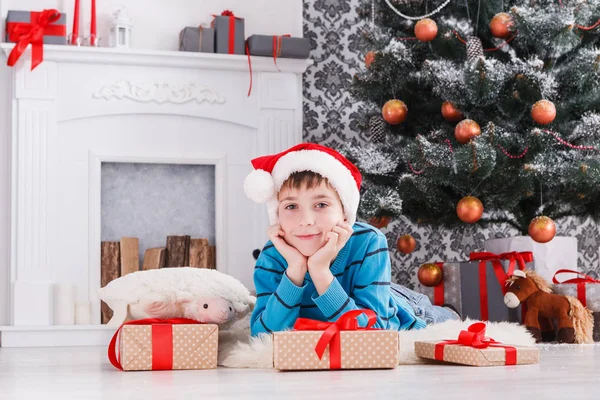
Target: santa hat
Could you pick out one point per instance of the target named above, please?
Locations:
(263, 184)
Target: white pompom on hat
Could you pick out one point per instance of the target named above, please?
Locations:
(270, 172)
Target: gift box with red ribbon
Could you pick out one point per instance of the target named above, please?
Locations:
(583, 287)
(317, 345)
(229, 33)
(473, 348)
(164, 344)
(449, 290)
(277, 46)
(35, 28)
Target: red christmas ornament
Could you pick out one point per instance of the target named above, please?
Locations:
(394, 112)
(426, 30)
(543, 112)
(369, 58)
(501, 25)
(380, 222)
(542, 229)
(406, 244)
(469, 209)
(465, 130)
(430, 275)
(451, 113)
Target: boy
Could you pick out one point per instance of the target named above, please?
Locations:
(320, 262)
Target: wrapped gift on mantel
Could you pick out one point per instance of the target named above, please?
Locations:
(229, 33)
(473, 348)
(316, 345)
(583, 287)
(164, 344)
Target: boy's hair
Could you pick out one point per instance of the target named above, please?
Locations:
(304, 180)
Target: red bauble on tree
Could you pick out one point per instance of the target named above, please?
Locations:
(466, 130)
(469, 209)
(430, 274)
(426, 30)
(394, 112)
(369, 58)
(380, 222)
(542, 229)
(543, 112)
(451, 113)
(406, 244)
(501, 25)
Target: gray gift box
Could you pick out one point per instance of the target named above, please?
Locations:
(287, 47)
(25, 16)
(451, 293)
(221, 24)
(198, 39)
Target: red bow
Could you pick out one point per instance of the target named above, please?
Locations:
(580, 281)
(24, 33)
(162, 341)
(331, 337)
(475, 337)
(515, 257)
(227, 13)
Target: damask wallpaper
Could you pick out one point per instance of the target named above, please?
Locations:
(332, 117)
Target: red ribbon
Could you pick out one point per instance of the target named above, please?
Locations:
(277, 40)
(515, 259)
(438, 290)
(331, 337)
(162, 341)
(475, 337)
(581, 281)
(24, 33)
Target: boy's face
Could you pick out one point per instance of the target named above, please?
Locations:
(307, 215)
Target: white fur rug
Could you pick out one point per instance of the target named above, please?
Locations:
(238, 350)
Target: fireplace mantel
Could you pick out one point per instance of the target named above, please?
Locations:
(84, 106)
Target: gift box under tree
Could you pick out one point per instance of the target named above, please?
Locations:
(169, 344)
(448, 291)
(317, 345)
(586, 289)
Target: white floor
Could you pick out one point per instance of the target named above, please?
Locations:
(565, 372)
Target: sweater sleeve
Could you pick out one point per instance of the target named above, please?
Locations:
(371, 288)
(277, 298)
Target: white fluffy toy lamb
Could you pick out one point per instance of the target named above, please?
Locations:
(204, 295)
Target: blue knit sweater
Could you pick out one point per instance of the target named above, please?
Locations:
(362, 272)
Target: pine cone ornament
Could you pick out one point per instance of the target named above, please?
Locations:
(474, 48)
(377, 129)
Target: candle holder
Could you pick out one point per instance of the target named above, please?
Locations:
(77, 42)
(92, 41)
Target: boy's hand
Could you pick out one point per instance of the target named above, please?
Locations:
(336, 240)
(297, 262)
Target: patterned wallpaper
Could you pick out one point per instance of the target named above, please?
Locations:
(332, 117)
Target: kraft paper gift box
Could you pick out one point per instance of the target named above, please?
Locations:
(278, 46)
(229, 34)
(586, 289)
(197, 39)
(311, 347)
(172, 344)
(54, 33)
(473, 348)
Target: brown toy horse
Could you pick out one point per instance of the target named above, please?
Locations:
(575, 322)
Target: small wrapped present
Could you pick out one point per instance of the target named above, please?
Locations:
(316, 345)
(473, 348)
(197, 39)
(448, 291)
(35, 28)
(164, 344)
(586, 289)
(229, 33)
(283, 46)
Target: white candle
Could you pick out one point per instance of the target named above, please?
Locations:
(83, 313)
(64, 304)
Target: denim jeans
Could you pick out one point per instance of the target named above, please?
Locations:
(423, 308)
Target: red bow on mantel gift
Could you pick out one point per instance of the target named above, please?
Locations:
(162, 341)
(475, 337)
(331, 337)
(580, 281)
(24, 33)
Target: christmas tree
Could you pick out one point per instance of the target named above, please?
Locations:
(480, 105)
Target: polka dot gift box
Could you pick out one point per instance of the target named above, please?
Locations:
(316, 345)
(155, 344)
(473, 348)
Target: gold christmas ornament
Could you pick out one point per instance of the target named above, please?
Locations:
(469, 209)
(501, 25)
(543, 112)
(406, 244)
(394, 112)
(451, 113)
(426, 30)
(542, 229)
(430, 274)
(465, 130)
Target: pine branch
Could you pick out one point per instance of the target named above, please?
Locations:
(508, 221)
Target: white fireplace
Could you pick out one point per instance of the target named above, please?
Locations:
(82, 107)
